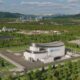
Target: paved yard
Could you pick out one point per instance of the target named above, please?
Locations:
(21, 60)
(29, 65)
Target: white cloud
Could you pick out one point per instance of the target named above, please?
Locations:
(50, 6)
(41, 4)
(36, 3)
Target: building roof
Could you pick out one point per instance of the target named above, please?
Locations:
(51, 44)
(37, 52)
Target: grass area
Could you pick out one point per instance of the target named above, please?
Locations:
(74, 49)
(17, 49)
(5, 66)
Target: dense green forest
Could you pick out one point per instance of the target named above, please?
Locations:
(67, 71)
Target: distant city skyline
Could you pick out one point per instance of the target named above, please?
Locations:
(41, 6)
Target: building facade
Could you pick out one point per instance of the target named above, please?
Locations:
(45, 52)
(5, 29)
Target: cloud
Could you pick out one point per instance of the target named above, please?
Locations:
(69, 5)
(37, 3)
(1, 2)
(41, 4)
(53, 4)
(73, 1)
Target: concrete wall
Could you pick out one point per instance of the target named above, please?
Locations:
(40, 56)
(27, 55)
(47, 60)
(34, 48)
(56, 51)
(34, 56)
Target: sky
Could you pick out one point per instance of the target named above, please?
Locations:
(41, 6)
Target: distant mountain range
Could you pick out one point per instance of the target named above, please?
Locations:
(15, 15)
(9, 15)
(62, 16)
(18, 15)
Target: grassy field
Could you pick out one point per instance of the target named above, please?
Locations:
(17, 49)
(5, 66)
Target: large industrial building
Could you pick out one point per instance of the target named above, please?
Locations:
(45, 52)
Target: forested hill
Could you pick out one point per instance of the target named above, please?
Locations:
(18, 15)
(71, 16)
(15, 15)
(10, 15)
(62, 16)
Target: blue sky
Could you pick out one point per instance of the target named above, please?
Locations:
(41, 6)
